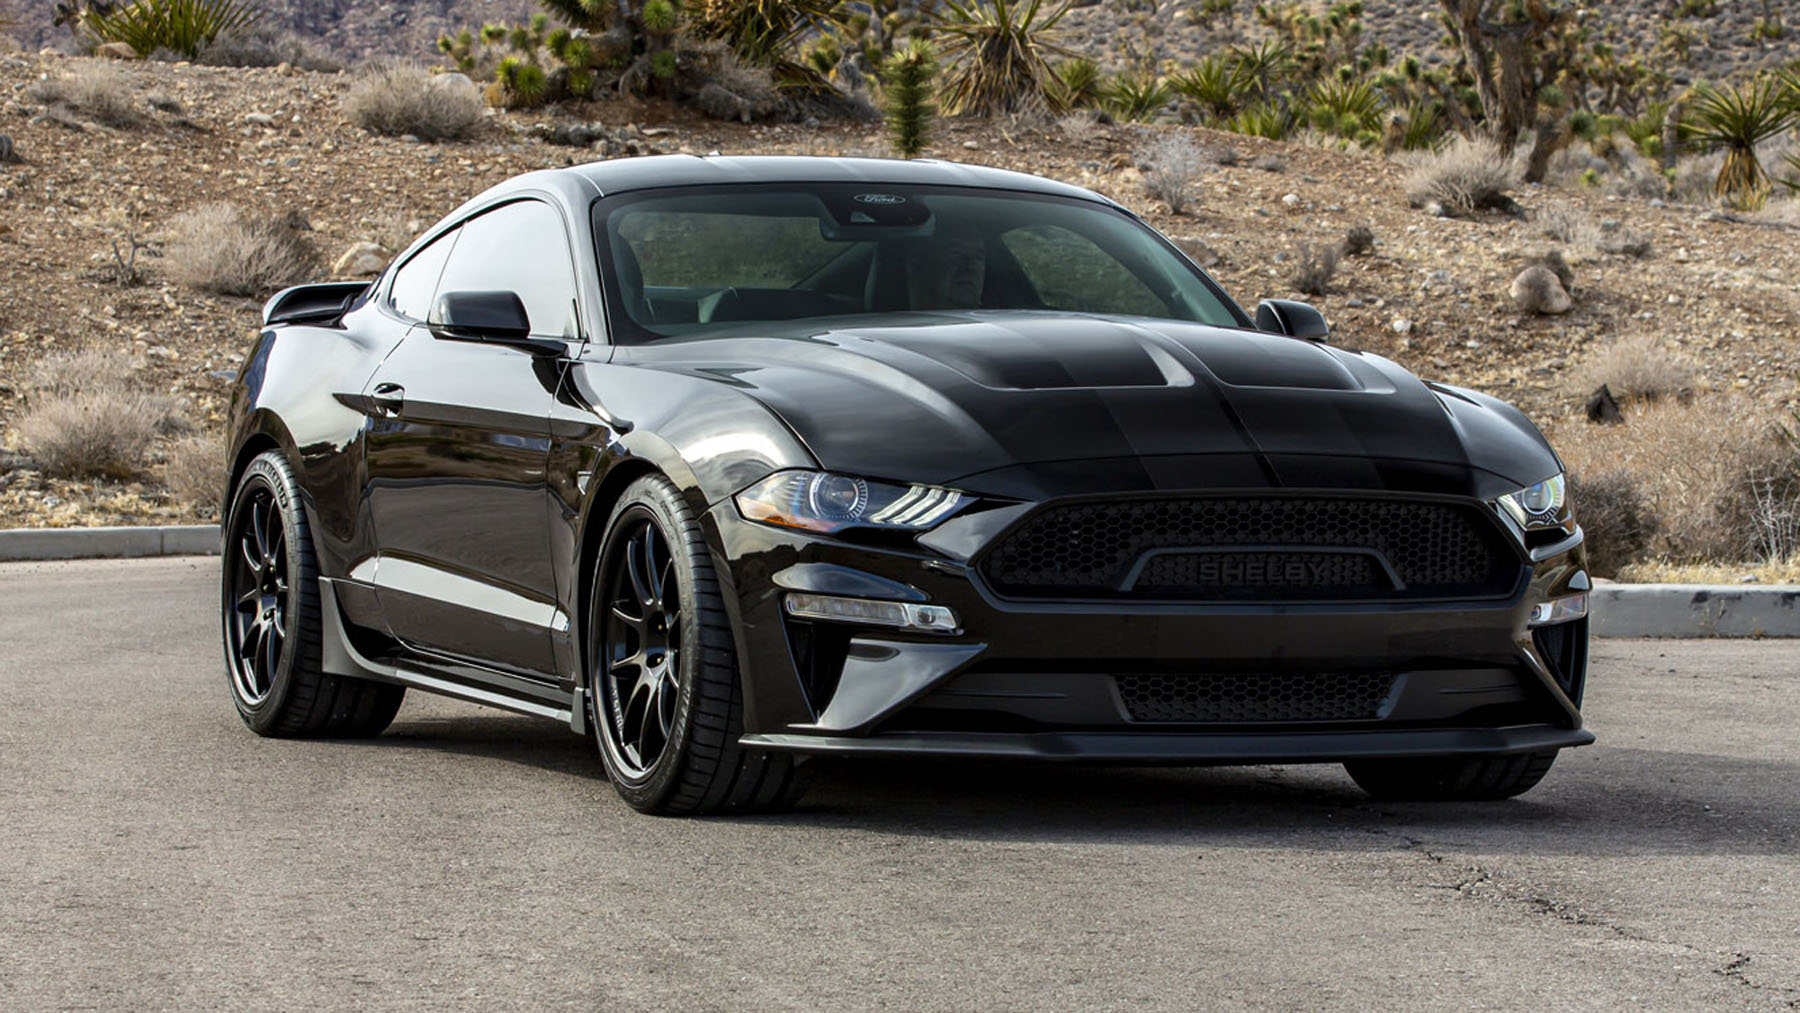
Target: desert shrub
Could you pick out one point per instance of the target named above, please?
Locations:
(264, 46)
(62, 375)
(97, 91)
(733, 89)
(758, 31)
(219, 249)
(910, 75)
(1636, 368)
(1616, 517)
(1216, 84)
(180, 26)
(1313, 269)
(193, 470)
(1700, 466)
(1170, 167)
(998, 55)
(396, 99)
(103, 433)
(1467, 176)
(1566, 223)
(1079, 79)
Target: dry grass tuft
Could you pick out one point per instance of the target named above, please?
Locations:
(67, 374)
(397, 99)
(1701, 468)
(1466, 177)
(1636, 369)
(193, 469)
(1170, 167)
(218, 249)
(94, 91)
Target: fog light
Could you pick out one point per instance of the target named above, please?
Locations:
(897, 614)
(1559, 610)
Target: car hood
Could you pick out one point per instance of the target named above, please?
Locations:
(944, 398)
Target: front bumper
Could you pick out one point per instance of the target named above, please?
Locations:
(1042, 680)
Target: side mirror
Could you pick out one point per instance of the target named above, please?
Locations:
(1294, 319)
(480, 316)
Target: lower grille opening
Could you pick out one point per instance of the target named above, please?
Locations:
(819, 650)
(1564, 649)
(1256, 697)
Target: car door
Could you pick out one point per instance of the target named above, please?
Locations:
(457, 455)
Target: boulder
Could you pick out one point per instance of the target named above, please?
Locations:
(116, 51)
(361, 260)
(1538, 290)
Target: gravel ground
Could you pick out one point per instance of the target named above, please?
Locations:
(157, 855)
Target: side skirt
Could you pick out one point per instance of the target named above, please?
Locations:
(341, 657)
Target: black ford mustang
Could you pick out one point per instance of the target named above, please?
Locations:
(734, 461)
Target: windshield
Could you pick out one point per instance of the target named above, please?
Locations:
(686, 261)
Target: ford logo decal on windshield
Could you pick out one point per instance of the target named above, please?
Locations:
(880, 198)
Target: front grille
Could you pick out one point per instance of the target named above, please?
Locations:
(1268, 548)
(1258, 697)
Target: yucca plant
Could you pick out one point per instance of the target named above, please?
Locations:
(1422, 127)
(1079, 78)
(1134, 96)
(180, 26)
(999, 53)
(1265, 119)
(1215, 84)
(1264, 65)
(1345, 108)
(911, 75)
(1737, 119)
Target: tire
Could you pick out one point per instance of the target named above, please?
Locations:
(661, 675)
(1443, 779)
(269, 614)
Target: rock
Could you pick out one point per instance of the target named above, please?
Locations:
(1537, 290)
(285, 69)
(116, 51)
(1401, 325)
(1436, 210)
(1291, 199)
(361, 260)
(7, 153)
(971, 146)
(453, 82)
(1603, 408)
(259, 119)
(1198, 251)
(1658, 202)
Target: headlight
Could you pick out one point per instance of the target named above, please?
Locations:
(1544, 505)
(822, 501)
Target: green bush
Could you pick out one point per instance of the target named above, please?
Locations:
(998, 56)
(1134, 96)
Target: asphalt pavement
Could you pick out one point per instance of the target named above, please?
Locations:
(154, 854)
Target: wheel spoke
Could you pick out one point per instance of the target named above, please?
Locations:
(249, 601)
(259, 531)
(270, 657)
(252, 556)
(635, 568)
(619, 613)
(277, 531)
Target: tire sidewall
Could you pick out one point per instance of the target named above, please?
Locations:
(652, 499)
(271, 472)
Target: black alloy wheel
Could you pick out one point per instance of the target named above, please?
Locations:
(642, 683)
(271, 619)
(258, 591)
(661, 679)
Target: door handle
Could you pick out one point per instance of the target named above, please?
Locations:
(389, 398)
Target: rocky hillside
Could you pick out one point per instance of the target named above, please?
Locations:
(1107, 30)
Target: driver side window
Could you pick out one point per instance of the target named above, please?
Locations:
(519, 247)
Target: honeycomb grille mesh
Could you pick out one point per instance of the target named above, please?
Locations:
(1263, 697)
(1252, 549)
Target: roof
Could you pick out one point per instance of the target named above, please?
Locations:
(622, 174)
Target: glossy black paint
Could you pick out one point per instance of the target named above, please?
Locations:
(456, 489)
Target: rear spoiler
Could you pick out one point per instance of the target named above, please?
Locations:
(313, 304)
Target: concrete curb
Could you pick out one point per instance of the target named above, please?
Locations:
(109, 543)
(1619, 610)
(1695, 610)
